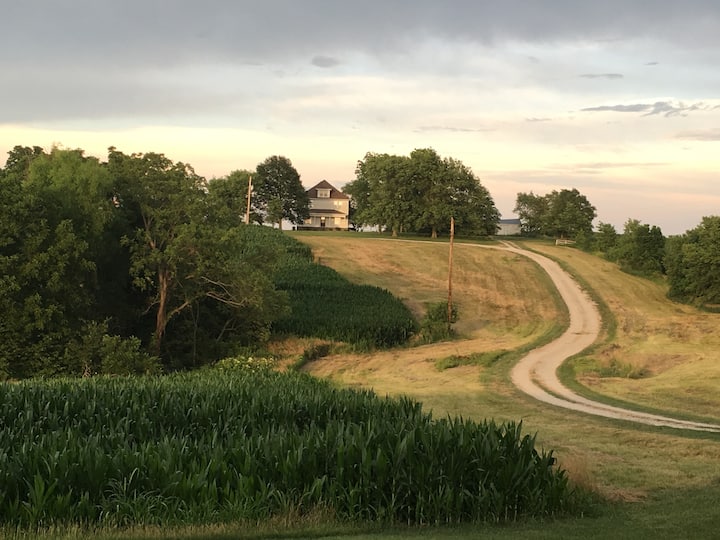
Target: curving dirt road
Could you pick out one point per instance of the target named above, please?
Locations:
(536, 375)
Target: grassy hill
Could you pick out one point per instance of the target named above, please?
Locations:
(654, 482)
(505, 303)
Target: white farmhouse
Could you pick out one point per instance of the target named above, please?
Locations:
(329, 208)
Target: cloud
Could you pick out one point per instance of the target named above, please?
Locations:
(652, 63)
(664, 108)
(533, 119)
(602, 75)
(637, 107)
(453, 129)
(324, 61)
(700, 135)
(154, 33)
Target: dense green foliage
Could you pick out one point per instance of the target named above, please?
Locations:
(326, 305)
(136, 253)
(640, 249)
(562, 214)
(249, 443)
(278, 192)
(436, 325)
(692, 261)
(420, 193)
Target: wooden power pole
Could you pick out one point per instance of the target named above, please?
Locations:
(450, 268)
(247, 212)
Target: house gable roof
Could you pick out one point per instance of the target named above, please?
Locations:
(334, 192)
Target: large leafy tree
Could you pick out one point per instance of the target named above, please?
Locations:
(640, 249)
(55, 208)
(606, 239)
(228, 198)
(278, 193)
(564, 214)
(569, 213)
(531, 209)
(165, 198)
(692, 264)
(191, 256)
(449, 189)
(420, 192)
(384, 193)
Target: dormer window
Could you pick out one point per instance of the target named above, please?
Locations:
(323, 193)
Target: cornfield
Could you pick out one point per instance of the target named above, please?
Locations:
(326, 305)
(216, 445)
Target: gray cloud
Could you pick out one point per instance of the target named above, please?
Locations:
(701, 135)
(602, 75)
(637, 107)
(324, 61)
(85, 57)
(152, 32)
(615, 164)
(454, 129)
(538, 119)
(664, 108)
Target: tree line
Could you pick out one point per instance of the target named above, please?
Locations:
(137, 263)
(689, 262)
(130, 264)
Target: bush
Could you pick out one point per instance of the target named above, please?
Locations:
(100, 353)
(435, 325)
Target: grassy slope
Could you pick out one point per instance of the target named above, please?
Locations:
(667, 484)
(623, 461)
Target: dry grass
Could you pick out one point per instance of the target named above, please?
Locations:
(492, 301)
(622, 461)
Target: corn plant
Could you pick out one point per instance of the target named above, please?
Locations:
(228, 444)
(326, 305)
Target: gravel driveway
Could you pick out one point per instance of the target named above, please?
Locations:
(536, 373)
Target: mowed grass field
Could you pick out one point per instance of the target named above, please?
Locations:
(678, 346)
(497, 312)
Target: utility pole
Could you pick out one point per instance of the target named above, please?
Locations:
(450, 268)
(247, 212)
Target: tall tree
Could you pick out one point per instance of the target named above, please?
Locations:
(392, 198)
(55, 208)
(164, 196)
(640, 249)
(449, 189)
(420, 192)
(228, 198)
(692, 264)
(564, 213)
(569, 212)
(606, 239)
(189, 253)
(531, 209)
(278, 192)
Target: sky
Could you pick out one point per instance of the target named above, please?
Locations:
(619, 99)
